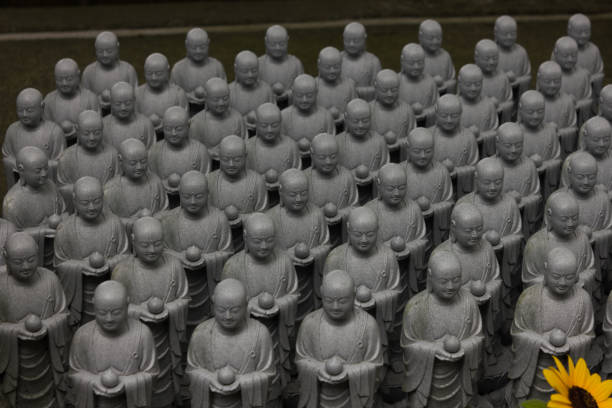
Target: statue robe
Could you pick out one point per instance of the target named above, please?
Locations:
(245, 100)
(423, 91)
(589, 58)
(97, 79)
(58, 108)
(280, 156)
(604, 170)
(248, 194)
(166, 281)
(544, 141)
(271, 71)
(115, 131)
(249, 352)
(298, 125)
(7, 229)
(516, 60)
(497, 85)
(165, 160)
(537, 313)
(125, 198)
(440, 63)
(189, 75)
(276, 276)
(357, 343)
(209, 129)
(32, 371)
(398, 119)
(462, 149)
(431, 382)
(130, 355)
(483, 115)
(561, 110)
(336, 95)
(74, 242)
(606, 367)
(339, 189)
(362, 70)
(370, 150)
(309, 227)
(435, 184)
(577, 83)
(211, 233)
(149, 102)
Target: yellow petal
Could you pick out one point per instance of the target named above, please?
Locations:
(562, 371)
(581, 375)
(570, 364)
(602, 391)
(552, 376)
(605, 404)
(555, 404)
(561, 399)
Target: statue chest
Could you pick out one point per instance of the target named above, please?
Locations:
(41, 137)
(494, 86)
(325, 190)
(147, 283)
(456, 147)
(300, 126)
(178, 161)
(575, 83)
(539, 142)
(334, 95)
(105, 79)
(193, 76)
(122, 353)
(340, 340)
(268, 277)
(594, 211)
(99, 238)
(238, 351)
(278, 157)
(428, 184)
(216, 129)
(560, 314)
(36, 298)
(68, 109)
(446, 320)
(156, 103)
(370, 271)
(359, 70)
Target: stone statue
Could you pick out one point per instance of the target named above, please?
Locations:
(334, 90)
(7, 229)
(339, 350)
(559, 107)
(248, 91)
(277, 67)
(100, 76)
(157, 94)
(218, 120)
(89, 157)
(230, 360)
(192, 72)
(521, 180)
(552, 318)
(199, 235)
(112, 359)
(438, 62)
(136, 191)
(478, 113)
(31, 130)
(430, 184)
(391, 117)
(513, 59)
(606, 367)
(64, 105)
(301, 229)
(357, 63)
(88, 245)
(575, 80)
(442, 354)
(417, 88)
(496, 83)
(156, 287)
(271, 284)
(34, 204)
(33, 329)
(125, 122)
(541, 142)
(454, 145)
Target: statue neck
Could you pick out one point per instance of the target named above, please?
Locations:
(110, 66)
(388, 107)
(421, 169)
(235, 331)
(470, 101)
(33, 127)
(340, 322)
(159, 89)
(126, 120)
(487, 200)
(329, 175)
(393, 207)
(115, 333)
(233, 178)
(70, 95)
(510, 163)
(270, 143)
(221, 115)
(280, 60)
(445, 302)
(359, 139)
(198, 63)
(293, 213)
(197, 216)
(305, 112)
(93, 222)
(262, 261)
(137, 181)
(561, 237)
(449, 133)
(177, 146)
(551, 98)
(581, 195)
(89, 151)
(150, 265)
(363, 254)
(557, 296)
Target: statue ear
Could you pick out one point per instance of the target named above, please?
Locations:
(19, 167)
(120, 157)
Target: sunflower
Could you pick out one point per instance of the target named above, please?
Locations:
(578, 388)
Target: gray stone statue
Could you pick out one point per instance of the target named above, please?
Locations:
(438, 62)
(417, 88)
(606, 366)
(495, 83)
(357, 63)
(605, 103)
(513, 59)
(7, 229)
(334, 90)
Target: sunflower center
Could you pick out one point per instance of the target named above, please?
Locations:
(580, 398)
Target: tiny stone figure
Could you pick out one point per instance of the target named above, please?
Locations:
(559, 107)
(496, 84)
(197, 229)
(478, 112)
(541, 142)
(513, 59)
(272, 288)
(156, 287)
(33, 330)
(277, 67)
(230, 360)
(417, 88)
(112, 359)
(339, 351)
(64, 105)
(438, 62)
(177, 154)
(31, 130)
(442, 338)
(7, 229)
(125, 122)
(248, 91)
(88, 245)
(430, 184)
(521, 180)
(575, 80)
(605, 103)
(391, 117)
(218, 120)
(334, 91)
(552, 318)
(157, 94)
(301, 229)
(89, 157)
(454, 145)
(357, 63)
(136, 191)
(100, 76)
(192, 72)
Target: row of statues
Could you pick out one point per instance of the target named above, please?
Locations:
(356, 239)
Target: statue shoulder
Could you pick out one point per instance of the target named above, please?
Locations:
(311, 322)
(529, 296)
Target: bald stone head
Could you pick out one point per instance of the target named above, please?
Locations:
(392, 184)
(89, 130)
(549, 79)
(232, 156)
(582, 172)
(217, 96)
(277, 40)
(412, 60)
(33, 167)
(246, 68)
(362, 226)
(605, 102)
(596, 136)
(21, 255)
(176, 125)
(358, 118)
(196, 44)
(30, 107)
(123, 101)
(133, 159)
(448, 112)
(324, 153)
(470, 82)
(293, 190)
(466, 225)
(509, 142)
(430, 36)
(268, 122)
(111, 306)
(338, 295)
(560, 271)
(329, 64)
(386, 85)
(147, 239)
(304, 92)
(444, 275)
(489, 178)
(561, 214)
(486, 56)
(354, 37)
(259, 236)
(566, 53)
(107, 48)
(157, 71)
(579, 28)
(505, 31)
(230, 304)
(67, 76)
(88, 198)
(193, 192)
(420, 147)
(531, 108)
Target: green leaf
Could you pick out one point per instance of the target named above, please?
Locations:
(534, 403)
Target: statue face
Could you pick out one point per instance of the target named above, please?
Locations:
(260, 242)
(247, 73)
(468, 231)
(107, 53)
(29, 112)
(597, 143)
(446, 282)
(304, 97)
(420, 153)
(358, 122)
(135, 166)
(363, 236)
(470, 86)
(232, 162)
(489, 184)
(337, 302)
(36, 173)
(505, 36)
(194, 198)
(487, 60)
(566, 58)
(532, 113)
(111, 313)
(88, 204)
(583, 178)
(148, 245)
(217, 100)
(354, 43)
(563, 221)
(157, 76)
(448, 117)
(176, 130)
(387, 92)
(22, 262)
(325, 158)
(413, 65)
(510, 147)
(230, 311)
(549, 84)
(560, 280)
(197, 49)
(67, 82)
(329, 69)
(90, 135)
(393, 189)
(294, 195)
(268, 127)
(122, 105)
(277, 45)
(581, 33)
(605, 107)
(431, 41)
